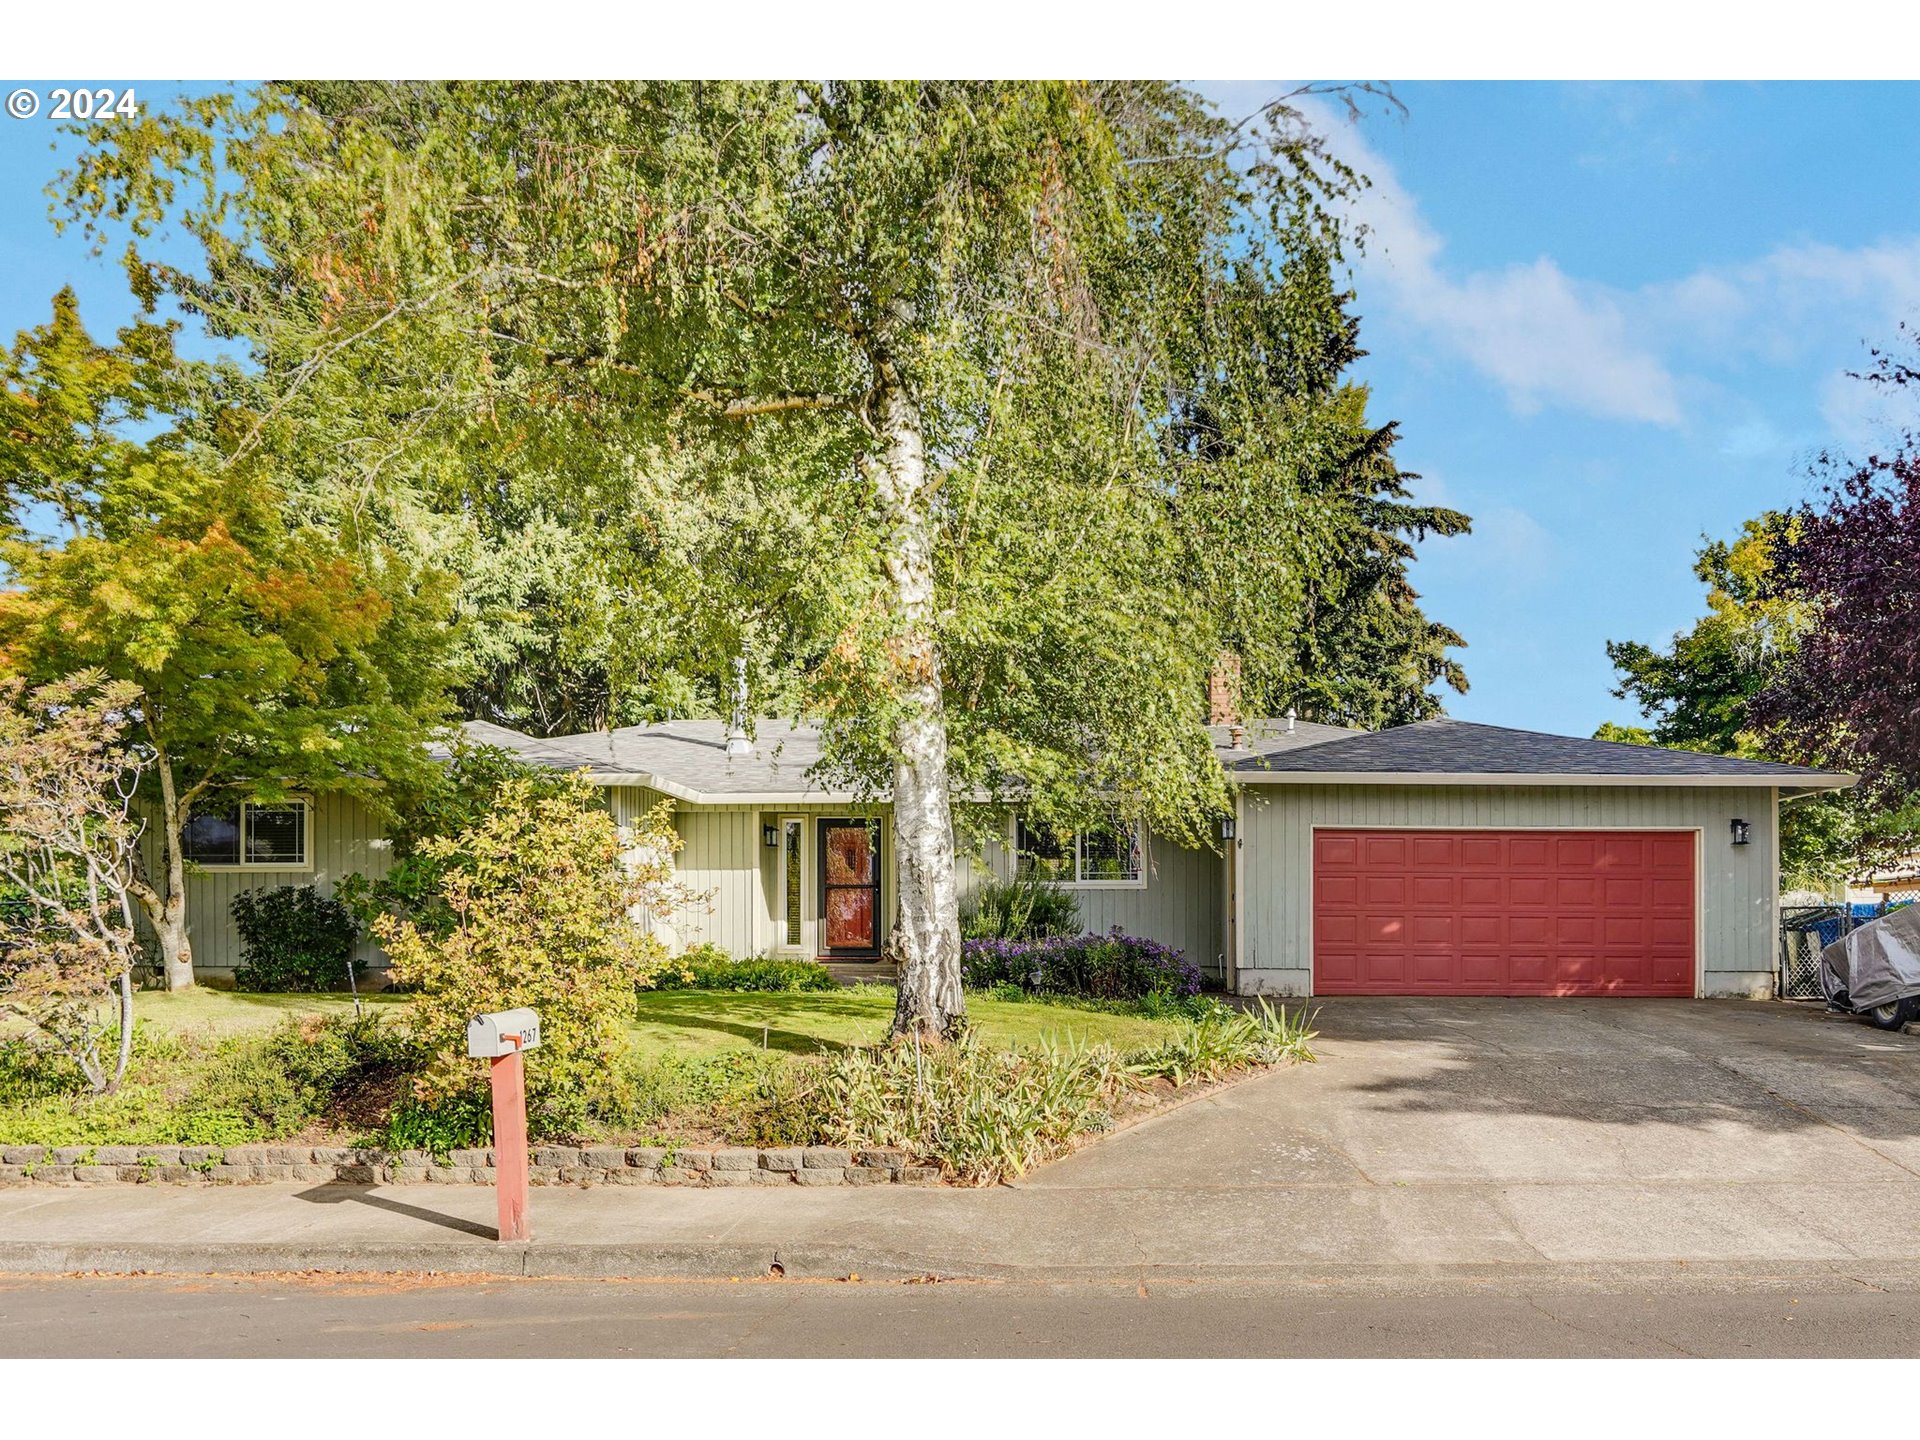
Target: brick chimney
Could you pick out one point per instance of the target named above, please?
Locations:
(1223, 690)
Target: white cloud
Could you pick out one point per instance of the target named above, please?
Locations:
(1542, 336)
(1547, 338)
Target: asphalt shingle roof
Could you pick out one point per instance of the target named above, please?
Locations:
(688, 758)
(678, 755)
(1460, 747)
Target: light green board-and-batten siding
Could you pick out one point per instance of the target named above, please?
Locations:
(724, 860)
(1183, 903)
(1738, 884)
(729, 873)
(344, 840)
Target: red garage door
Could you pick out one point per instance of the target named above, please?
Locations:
(1503, 912)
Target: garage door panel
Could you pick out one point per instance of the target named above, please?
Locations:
(1337, 967)
(1484, 932)
(1481, 892)
(1493, 912)
(1582, 892)
(1670, 932)
(1575, 854)
(1529, 852)
(1530, 970)
(1535, 891)
(1576, 931)
(1383, 932)
(1383, 890)
(1338, 931)
(1671, 974)
(1626, 892)
(1619, 853)
(1625, 932)
(1671, 894)
(1336, 852)
(1338, 891)
(1480, 852)
(1384, 967)
(1483, 971)
(1389, 851)
(1432, 966)
(1530, 930)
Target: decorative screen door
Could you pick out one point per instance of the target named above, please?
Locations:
(850, 888)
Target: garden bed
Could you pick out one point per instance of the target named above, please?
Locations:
(231, 1087)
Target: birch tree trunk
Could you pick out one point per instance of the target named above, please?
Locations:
(926, 941)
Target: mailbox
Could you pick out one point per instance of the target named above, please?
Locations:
(507, 1032)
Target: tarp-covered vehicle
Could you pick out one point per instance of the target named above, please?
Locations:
(1874, 970)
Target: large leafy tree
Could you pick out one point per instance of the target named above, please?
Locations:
(1852, 689)
(1706, 691)
(893, 389)
(259, 656)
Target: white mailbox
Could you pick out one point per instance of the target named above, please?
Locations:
(503, 1033)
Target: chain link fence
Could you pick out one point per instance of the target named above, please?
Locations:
(1806, 930)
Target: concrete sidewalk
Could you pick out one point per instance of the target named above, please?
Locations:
(1604, 1144)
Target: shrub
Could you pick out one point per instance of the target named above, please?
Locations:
(293, 938)
(983, 1115)
(708, 967)
(1024, 908)
(456, 1122)
(1226, 1040)
(1104, 967)
(459, 794)
(542, 907)
(283, 1081)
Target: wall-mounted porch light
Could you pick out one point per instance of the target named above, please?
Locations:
(1742, 832)
(770, 836)
(1226, 828)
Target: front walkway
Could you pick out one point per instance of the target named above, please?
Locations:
(1438, 1142)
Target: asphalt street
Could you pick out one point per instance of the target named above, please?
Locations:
(441, 1316)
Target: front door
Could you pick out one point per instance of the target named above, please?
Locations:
(850, 889)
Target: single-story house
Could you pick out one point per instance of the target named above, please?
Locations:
(1441, 857)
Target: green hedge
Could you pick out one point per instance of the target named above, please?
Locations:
(708, 967)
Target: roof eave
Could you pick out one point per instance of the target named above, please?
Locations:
(652, 781)
(1800, 783)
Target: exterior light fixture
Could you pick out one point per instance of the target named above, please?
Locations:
(770, 836)
(1742, 832)
(1226, 828)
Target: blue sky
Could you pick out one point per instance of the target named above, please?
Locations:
(1610, 318)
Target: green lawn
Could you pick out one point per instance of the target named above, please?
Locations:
(205, 1011)
(690, 1022)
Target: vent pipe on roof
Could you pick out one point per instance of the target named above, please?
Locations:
(738, 743)
(1291, 713)
(1236, 737)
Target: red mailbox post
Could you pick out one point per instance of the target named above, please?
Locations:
(503, 1039)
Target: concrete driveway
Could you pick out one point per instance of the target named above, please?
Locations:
(1445, 1132)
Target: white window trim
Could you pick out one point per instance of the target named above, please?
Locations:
(298, 867)
(786, 824)
(1077, 883)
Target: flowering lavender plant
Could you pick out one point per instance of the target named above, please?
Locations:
(1114, 966)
